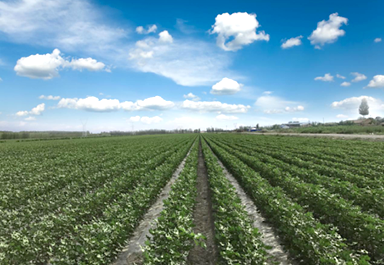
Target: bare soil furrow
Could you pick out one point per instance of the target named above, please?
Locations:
(203, 219)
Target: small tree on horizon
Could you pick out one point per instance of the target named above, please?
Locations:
(364, 108)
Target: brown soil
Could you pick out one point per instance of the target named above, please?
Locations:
(203, 219)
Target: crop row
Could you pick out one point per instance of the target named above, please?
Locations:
(237, 240)
(363, 231)
(304, 236)
(173, 237)
(371, 200)
(91, 229)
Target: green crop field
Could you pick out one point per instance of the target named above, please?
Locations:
(80, 201)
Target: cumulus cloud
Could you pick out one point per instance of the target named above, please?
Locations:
(351, 105)
(340, 76)
(345, 84)
(328, 31)
(301, 119)
(187, 63)
(358, 77)
(107, 105)
(30, 118)
(192, 97)
(47, 66)
(226, 87)
(342, 116)
(292, 42)
(377, 81)
(146, 119)
(50, 97)
(165, 37)
(66, 23)
(377, 40)
(85, 63)
(150, 29)
(294, 109)
(274, 105)
(214, 106)
(223, 117)
(326, 78)
(35, 111)
(239, 27)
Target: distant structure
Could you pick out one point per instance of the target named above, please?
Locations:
(84, 123)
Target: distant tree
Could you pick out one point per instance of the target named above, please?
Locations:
(257, 126)
(364, 108)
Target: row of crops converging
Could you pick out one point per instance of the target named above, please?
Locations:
(80, 201)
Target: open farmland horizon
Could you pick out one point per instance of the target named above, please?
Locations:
(105, 66)
(192, 199)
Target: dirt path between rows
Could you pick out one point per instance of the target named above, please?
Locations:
(132, 253)
(371, 137)
(203, 218)
(268, 234)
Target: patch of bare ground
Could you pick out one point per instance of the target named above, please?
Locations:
(203, 219)
(132, 253)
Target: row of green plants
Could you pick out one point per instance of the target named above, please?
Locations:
(363, 231)
(173, 236)
(76, 194)
(370, 200)
(307, 240)
(91, 229)
(237, 240)
(361, 161)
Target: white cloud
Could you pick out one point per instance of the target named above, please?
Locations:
(47, 66)
(146, 119)
(86, 63)
(214, 106)
(328, 31)
(358, 77)
(30, 118)
(345, 84)
(292, 42)
(150, 120)
(294, 109)
(68, 24)
(340, 76)
(151, 29)
(134, 119)
(35, 111)
(351, 105)
(107, 105)
(50, 97)
(377, 81)
(326, 78)
(192, 97)
(187, 63)
(377, 40)
(240, 27)
(301, 119)
(274, 105)
(226, 87)
(267, 92)
(341, 116)
(1, 79)
(223, 117)
(165, 37)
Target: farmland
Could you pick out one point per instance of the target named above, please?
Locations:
(80, 201)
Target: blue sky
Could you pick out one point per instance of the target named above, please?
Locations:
(121, 64)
